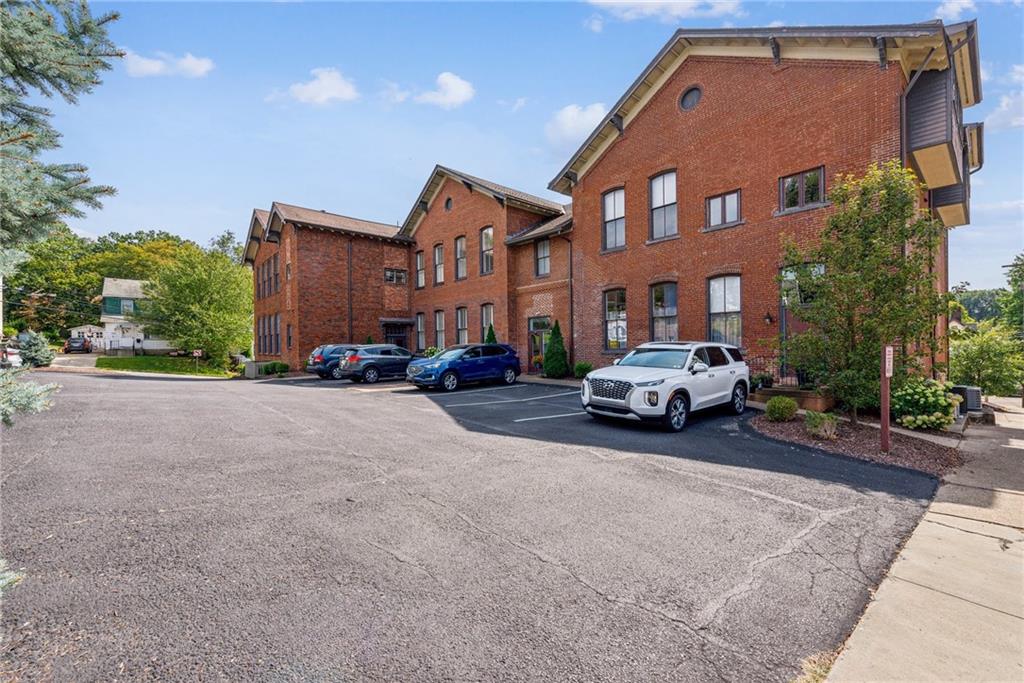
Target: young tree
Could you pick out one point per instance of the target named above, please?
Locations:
(867, 282)
(491, 338)
(200, 301)
(1011, 303)
(990, 358)
(556, 360)
(55, 48)
(226, 243)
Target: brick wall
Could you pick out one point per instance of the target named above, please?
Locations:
(755, 123)
(536, 296)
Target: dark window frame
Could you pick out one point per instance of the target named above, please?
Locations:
(485, 252)
(464, 260)
(651, 208)
(625, 318)
(538, 258)
(650, 310)
(725, 223)
(277, 275)
(801, 189)
(605, 221)
(288, 335)
(396, 276)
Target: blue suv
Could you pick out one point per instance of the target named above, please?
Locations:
(325, 361)
(463, 363)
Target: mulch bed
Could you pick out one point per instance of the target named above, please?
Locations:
(863, 443)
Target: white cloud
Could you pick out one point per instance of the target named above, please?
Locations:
(1009, 113)
(595, 23)
(327, 85)
(392, 93)
(164, 64)
(670, 11)
(515, 105)
(571, 124)
(953, 10)
(776, 23)
(1017, 73)
(451, 92)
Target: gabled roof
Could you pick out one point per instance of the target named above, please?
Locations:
(553, 226)
(123, 289)
(502, 193)
(928, 44)
(265, 226)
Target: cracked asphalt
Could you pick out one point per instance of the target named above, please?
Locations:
(181, 529)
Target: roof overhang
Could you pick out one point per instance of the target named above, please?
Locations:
(252, 242)
(908, 44)
(437, 179)
(975, 146)
(276, 223)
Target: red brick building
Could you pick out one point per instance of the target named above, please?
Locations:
(321, 277)
(682, 197)
(486, 254)
(726, 145)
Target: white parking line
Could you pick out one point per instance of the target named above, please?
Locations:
(549, 417)
(460, 393)
(511, 400)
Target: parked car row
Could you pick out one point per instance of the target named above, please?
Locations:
(448, 370)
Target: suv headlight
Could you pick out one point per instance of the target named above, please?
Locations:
(652, 383)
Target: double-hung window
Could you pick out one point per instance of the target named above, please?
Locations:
(724, 312)
(802, 189)
(461, 326)
(460, 258)
(396, 276)
(486, 319)
(421, 331)
(277, 275)
(663, 206)
(542, 257)
(615, 319)
(723, 210)
(438, 264)
(439, 329)
(421, 270)
(487, 250)
(664, 320)
(614, 217)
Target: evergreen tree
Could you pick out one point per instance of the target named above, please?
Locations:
(55, 48)
(35, 350)
(556, 360)
(491, 338)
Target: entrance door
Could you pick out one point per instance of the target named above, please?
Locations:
(396, 334)
(539, 335)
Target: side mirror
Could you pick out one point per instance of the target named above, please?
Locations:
(615, 361)
(698, 367)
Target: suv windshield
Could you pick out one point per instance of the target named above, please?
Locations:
(673, 359)
(449, 354)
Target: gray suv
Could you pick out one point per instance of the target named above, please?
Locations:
(372, 362)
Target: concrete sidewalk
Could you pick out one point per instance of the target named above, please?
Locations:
(952, 605)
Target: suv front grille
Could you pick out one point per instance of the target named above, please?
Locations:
(414, 370)
(610, 388)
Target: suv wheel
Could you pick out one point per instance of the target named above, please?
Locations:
(676, 413)
(509, 377)
(739, 399)
(371, 375)
(450, 381)
(336, 372)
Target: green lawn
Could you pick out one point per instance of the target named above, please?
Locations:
(174, 366)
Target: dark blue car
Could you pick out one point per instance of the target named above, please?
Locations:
(463, 363)
(325, 360)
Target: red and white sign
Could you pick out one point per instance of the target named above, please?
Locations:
(197, 353)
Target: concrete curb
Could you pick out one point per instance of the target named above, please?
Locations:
(130, 373)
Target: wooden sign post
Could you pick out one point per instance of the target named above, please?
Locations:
(197, 354)
(886, 375)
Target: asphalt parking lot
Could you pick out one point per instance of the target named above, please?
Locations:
(181, 529)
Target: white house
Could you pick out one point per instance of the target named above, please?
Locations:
(93, 333)
(120, 334)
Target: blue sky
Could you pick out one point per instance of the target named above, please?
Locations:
(222, 107)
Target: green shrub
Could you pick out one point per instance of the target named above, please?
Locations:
(780, 409)
(431, 351)
(274, 368)
(581, 369)
(822, 425)
(369, 339)
(556, 360)
(10, 331)
(762, 380)
(925, 404)
(36, 351)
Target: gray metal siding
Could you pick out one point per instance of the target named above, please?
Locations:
(930, 110)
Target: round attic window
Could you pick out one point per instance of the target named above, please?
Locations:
(690, 98)
(448, 204)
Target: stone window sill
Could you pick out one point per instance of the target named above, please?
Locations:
(723, 226)
(800, 209)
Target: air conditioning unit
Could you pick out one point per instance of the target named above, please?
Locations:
(971, 398)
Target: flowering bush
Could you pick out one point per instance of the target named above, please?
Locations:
(431, 351)
(925, 404)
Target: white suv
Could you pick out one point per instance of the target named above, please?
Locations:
(664, 381)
